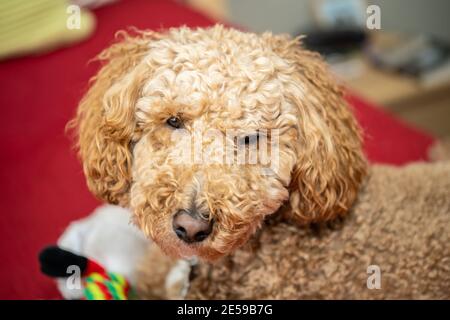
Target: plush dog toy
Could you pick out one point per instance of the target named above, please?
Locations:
(98, 283)
(105, 248)
(109, 253)
(168, 129)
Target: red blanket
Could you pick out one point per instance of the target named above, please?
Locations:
(42, 181)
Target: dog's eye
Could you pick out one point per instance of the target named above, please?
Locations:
(254, 138)
(174, 122)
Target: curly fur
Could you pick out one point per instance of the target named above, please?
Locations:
(217, 78)
(400, 223)
(105, 118)
(315, 240)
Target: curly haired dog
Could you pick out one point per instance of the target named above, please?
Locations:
(190, 82)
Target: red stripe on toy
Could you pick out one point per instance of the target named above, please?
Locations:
(94, 267)
(104, 289)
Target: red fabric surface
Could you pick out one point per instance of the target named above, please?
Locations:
(42, 181)
(387, 139)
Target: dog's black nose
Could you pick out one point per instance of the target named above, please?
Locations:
(191, 227)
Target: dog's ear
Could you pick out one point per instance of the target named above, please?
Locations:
(330, 162)
(105, 117)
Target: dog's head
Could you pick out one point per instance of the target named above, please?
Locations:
(203, 133)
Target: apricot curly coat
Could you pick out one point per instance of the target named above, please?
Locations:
(219, 78)
(400, 223)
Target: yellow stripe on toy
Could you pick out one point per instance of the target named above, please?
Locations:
(110, 286)
(93, 277)
(93, 291)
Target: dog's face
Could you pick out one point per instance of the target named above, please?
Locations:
(203, 133)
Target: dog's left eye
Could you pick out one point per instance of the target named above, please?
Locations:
(174, 122)
(254, 138)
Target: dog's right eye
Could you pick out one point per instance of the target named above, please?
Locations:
(174, 122)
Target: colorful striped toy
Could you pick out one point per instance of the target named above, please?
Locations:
(98, 283)
(106, 286)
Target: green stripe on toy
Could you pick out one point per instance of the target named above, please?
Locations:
(108, 286)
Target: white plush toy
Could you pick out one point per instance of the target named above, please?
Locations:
(108, 238)
(107, 250)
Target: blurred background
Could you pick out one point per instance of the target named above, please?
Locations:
(403, 65)
(391, 55)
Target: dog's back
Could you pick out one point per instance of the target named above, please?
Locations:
(394, 244)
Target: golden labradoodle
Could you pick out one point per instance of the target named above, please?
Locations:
(310, 220)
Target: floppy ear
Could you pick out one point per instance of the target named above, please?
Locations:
(105, 117)
(330, 162)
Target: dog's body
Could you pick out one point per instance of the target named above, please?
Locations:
(394, 244)
(186, 90)
(399, 224)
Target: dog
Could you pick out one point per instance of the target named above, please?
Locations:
(163, 97)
